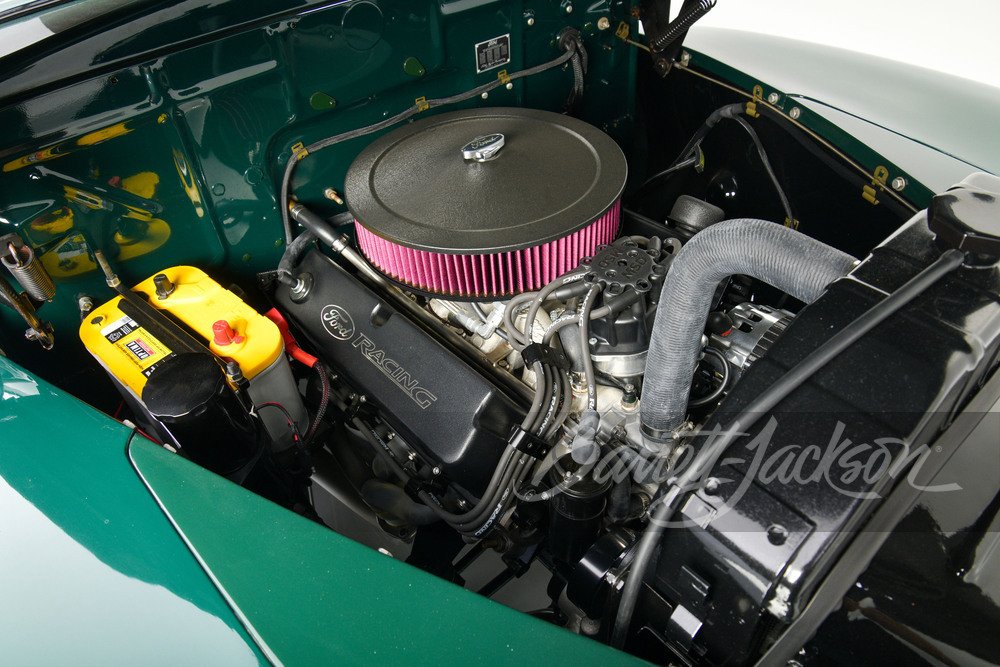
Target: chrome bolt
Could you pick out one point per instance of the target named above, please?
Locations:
(412, 456)
(301, 289)
(569, 9)
(86, 304)
(777, 534)
(773, 98)
(712, 486)
(603, 23)
(531, 20)
(485, 95)
(593, 342)
(510, 85)
(795, 112)
(898, 183)
(685, 58)
(435, 470)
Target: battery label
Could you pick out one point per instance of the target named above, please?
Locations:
(139, 348)
(136, 344)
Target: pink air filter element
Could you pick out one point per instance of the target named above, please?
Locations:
(494, 275)
(485, 203)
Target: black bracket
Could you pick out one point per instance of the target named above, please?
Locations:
(415, 485)
(528, 443)
(547, 355)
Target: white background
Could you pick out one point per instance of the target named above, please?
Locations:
(961, 37)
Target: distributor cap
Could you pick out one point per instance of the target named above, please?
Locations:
(623, 264)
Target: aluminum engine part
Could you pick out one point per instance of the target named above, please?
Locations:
(755, 328)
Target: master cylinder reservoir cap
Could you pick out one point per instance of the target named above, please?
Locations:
(224, 334)
(967, 217)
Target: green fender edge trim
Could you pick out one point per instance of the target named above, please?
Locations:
(308, 594)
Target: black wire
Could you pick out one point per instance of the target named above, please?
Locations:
(288, 416)
(324, 381)
(573, 51)
(676, 166)
(686, 159)
(692, 145)
(767, 166)
(586, 308)
(706, 458)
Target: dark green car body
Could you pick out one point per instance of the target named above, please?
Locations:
(113, 550)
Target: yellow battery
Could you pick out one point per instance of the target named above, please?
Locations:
(223, 321)
(126, 350)
(230, 328)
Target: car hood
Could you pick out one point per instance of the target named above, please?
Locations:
(929, 108)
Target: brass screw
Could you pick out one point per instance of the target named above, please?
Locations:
(332, 195)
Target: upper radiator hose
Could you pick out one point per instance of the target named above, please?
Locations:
(777, 255)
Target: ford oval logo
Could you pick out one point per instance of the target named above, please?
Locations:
(337, 321)
(482, 149)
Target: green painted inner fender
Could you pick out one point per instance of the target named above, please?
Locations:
(310, 596)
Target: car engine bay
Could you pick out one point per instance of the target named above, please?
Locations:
(514, 332)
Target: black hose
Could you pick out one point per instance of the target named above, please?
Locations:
(707, 457)
(290, 258)
(323, 229)
(775, 254)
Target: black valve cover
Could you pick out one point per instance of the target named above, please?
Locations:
(437, 402)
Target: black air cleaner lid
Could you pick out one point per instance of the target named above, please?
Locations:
(422, 186)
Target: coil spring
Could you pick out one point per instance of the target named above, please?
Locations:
(29, 271)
